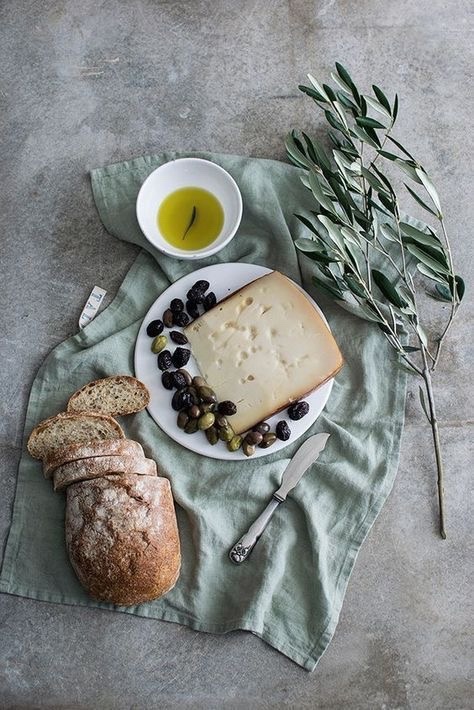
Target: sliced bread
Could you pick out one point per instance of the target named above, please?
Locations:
(120, 394)
(98, 466)
(74, 452)
(68, 428)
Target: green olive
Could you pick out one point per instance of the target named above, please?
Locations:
(221, 421)
(182, 420)
(206, 420)
(191, 427)
(212, 435)
(268, 440)
(235, 443)
(248, 449)
(226, 433)
(158, 344)
(207, 407)
(199, 381)
(206, 394)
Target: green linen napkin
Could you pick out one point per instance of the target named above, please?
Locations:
(291, 590)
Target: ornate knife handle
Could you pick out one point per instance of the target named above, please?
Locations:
(242, 549)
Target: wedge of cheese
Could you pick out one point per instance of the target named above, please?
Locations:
(263, 347)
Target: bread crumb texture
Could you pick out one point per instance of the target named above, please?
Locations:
(122, 537)
(117, 395)
(66, 428)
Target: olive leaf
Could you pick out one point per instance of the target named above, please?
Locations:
(429, 273)
(421, 202)
(434, 264)
(367, 122)
(388, 289)
(443, 292)
(377, 106)
(460, 287)
(429, 187)
(381, 98)
(421, 238)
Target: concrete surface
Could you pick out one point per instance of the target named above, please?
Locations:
(85, 83)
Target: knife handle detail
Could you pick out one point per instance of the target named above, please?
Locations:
(242, 549)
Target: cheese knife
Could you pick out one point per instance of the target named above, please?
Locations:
(301, 461)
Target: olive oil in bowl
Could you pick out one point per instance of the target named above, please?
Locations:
(190, 218)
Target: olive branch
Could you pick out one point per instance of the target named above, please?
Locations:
(358, 223)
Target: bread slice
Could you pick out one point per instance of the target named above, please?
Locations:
(97, 466)
(67, 428)
(74, 452)
(116, 395)
(122, 537)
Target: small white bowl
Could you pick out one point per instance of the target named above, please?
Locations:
(188, 172)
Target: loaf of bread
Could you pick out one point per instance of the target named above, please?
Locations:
(87, 469)
(117, 395)
(68, 428)
(122, 537)
(92, 449)
(121, 530)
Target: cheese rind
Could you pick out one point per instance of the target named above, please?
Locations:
(263, 347)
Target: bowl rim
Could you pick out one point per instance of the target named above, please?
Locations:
(206, 251)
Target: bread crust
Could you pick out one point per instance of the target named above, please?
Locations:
(97, 466)
(122, 537)
(107, 428)
(134, 390)
(74, 452)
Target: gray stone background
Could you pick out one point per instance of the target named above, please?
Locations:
(85, 83)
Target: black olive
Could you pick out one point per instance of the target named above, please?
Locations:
(167, 380)
(178, 379)
(227, 407)
(196, 296)
(186, 376)
(194, 411)
(178, 337)
(168, 318)
(181, 357)
(181, 400)
(254, 438)
(194, 395)
(201, 286)
(164, 360)
(298, 410)
(176, 305)
(180, 319)
(154, 328)
(192, 309)
(282, 430)
(210, 301)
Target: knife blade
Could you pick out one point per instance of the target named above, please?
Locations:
(307, 454)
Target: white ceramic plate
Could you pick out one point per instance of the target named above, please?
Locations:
(224, 279)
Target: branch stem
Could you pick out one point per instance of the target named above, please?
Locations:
(454, 302)
(437, 443)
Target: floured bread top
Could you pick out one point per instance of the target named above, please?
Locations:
(263, 347)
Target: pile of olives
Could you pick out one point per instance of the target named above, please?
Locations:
(193, 399)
